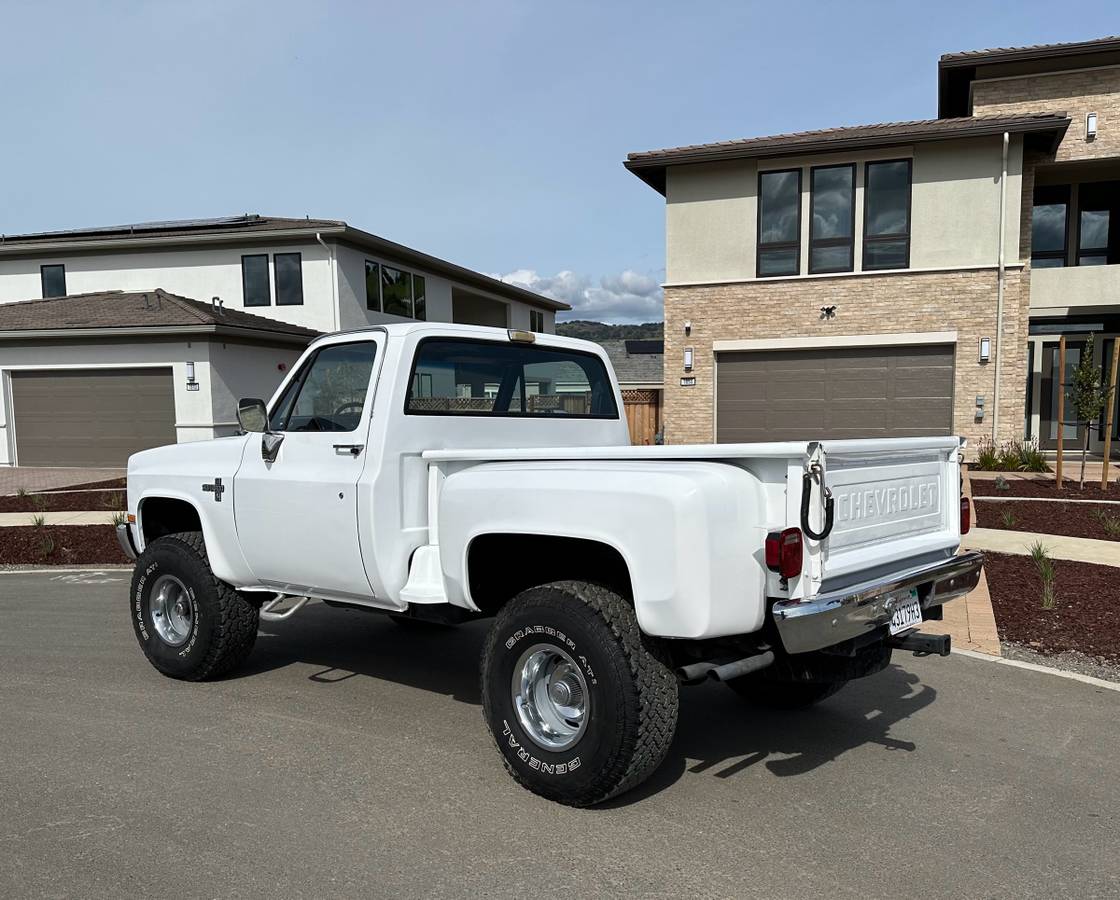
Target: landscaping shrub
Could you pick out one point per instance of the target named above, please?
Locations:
(1045, 566)
(1010, 456)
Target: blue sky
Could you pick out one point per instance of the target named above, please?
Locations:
(488, 133)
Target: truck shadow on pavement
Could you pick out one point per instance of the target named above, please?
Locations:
(719, 735)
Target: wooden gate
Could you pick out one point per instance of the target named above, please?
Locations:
(643, 415)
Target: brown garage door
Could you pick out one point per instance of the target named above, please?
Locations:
(850, 392)
(92, 417)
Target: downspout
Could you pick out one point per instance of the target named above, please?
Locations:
(334, 269)
(1000, 277)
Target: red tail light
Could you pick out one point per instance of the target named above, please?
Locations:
(966, 515)
(783, 552)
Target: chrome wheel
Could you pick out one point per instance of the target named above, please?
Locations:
(550, 696)
(171, 609)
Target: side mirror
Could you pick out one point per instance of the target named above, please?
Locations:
(252, 415)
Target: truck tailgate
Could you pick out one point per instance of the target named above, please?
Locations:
(894, 501)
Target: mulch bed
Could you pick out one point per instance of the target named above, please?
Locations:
(1086, 616)
(112, 500)
(986, 487)
(60, 545)
(1072, 519)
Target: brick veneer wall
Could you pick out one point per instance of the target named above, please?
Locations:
(961, 301)
(1074, 93)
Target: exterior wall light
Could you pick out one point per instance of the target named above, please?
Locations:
(985, 349)
(688, 359)
(687, 327)
(192, 383)
(1090, 126)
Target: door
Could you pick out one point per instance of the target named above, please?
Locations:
(91, 417)
(1073, 434)
(297, 517)
(643, 415)
(837, 392)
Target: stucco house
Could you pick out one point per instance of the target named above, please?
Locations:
(902, 278)
(190, 315)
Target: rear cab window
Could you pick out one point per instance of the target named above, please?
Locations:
(462, 377)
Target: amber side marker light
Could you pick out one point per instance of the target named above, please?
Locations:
(131, 519)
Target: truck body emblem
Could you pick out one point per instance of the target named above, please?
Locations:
(217, 489)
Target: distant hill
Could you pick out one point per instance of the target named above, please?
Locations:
(601, 331)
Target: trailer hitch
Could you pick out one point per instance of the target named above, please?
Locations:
(922, 644)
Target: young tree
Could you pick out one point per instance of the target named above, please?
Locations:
(1089, 396)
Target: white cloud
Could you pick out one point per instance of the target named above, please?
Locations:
(627, 297)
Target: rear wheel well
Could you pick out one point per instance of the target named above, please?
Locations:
(167, 515)
(500, 566)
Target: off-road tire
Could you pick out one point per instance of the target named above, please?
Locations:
(632, 693)
(224, 623)
(783, 694)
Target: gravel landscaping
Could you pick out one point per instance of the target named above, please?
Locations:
(1086, 616)
(60, 545)
(1072, 519)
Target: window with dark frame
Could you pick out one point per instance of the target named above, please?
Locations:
(254, 280)
(419, 301)
(289, 279)
(373, 286)
(779, 223)
(1098, 223)
(832, 218)
(1049, 226)
(396, 291)
(536, 320)
(53, 280)
(886, 214)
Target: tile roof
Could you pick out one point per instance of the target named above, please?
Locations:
(636, 364)
(650, 165)
(996, 54)
(134, 310)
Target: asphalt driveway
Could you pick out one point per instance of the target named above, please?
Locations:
(350, 759)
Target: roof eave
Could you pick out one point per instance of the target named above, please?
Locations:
(260, 334)
(70, 245)
(651, 169)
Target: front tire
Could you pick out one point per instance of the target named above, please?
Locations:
(189, 624)
(581, 705)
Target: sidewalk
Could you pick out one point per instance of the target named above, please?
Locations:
(42, 478)
(103, 517)
(1105, 553)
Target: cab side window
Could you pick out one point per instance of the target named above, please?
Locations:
(329, 392)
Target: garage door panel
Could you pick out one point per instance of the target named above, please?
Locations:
(93, 417)
(838, 393)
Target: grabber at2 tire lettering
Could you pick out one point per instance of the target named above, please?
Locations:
(189, 624)
(582, 706)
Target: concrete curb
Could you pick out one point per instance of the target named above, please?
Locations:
(1046, 670)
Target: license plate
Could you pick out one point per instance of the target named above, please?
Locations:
(907, 611)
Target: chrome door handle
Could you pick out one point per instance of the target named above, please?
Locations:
(352, 449)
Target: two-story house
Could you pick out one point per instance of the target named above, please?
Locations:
(116, 339)
(903, 278)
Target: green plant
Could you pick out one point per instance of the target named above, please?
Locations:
(38, 501)
(1008, 519)
(1001, 484)
(1040, 556)
(1088, 397)
(1030, 458)
(38, 520)
(1110, 523)
(987, 457)
(46, 544)
(21, 492)
(119, 518)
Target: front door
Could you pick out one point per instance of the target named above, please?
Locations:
(1073, 434)
(297, 516)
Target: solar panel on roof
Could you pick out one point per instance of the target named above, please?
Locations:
(168, 225)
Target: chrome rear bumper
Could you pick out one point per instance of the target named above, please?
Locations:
(838, 616)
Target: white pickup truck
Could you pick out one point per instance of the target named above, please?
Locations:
(439, 473)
